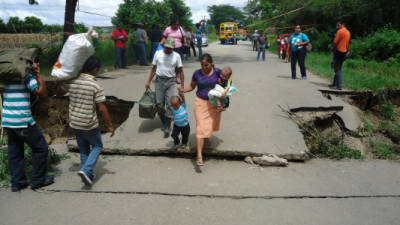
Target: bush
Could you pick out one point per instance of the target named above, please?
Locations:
(382, 45)
(320, 41)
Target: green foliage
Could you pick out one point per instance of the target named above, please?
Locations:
(368, 126)
(320, 41)
(388, 111)
(152, 12)
(53, 159)
(383, 151)
(52, 28)
(333, 148)
(32, 24)
(381, 45)
(225, 13)
(3, 26)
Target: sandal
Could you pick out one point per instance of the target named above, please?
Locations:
(200, 162)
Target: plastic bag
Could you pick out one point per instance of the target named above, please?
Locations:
(77, 49)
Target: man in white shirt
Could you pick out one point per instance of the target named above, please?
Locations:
(164, 64)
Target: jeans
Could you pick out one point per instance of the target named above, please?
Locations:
(154, 46)
(299, 55)
(338, 60)
(200, 48)
(261, 48)
(165, 89)
(89, 157)
(185, 131)
(33, 136)
(141, 46)
(193, 48)
(120, 55)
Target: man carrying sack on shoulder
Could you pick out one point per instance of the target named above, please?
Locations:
(340, 48)
(164, 64)
(21, 128)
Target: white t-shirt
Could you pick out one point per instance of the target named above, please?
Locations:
(166, 64)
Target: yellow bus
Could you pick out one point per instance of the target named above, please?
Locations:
(242, 35)
(228, 32)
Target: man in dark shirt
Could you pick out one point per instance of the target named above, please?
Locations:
(155, 38)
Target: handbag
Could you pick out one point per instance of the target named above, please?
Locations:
(309, 47)
(147, 105)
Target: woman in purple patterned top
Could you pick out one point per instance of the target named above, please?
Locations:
(207, 116)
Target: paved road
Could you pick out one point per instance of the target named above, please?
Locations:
(253, 124)
(162, 190)
(165, 190)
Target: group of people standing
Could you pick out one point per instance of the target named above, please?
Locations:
(184, 41)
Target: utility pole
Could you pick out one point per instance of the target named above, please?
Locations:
(69, 19)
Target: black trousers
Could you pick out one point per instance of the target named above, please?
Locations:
(299, 55)
(339, 58)
(185, 131)
(33, 136)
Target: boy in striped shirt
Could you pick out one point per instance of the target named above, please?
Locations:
(84, 95)
(21, 127)
(181, 121)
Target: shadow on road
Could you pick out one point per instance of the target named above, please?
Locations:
(149, 125)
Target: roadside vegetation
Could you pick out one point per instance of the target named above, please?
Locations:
(53, 159)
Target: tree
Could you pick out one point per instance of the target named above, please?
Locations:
(152, 12)
(225, 13)
(69, 19)
(32, 25)
(180, 12)
(3, 26)
(14, 25)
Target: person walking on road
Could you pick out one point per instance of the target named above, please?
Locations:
(298, 41)
(155, 37)
(177, 33)
(207, 116)
(120, 38)
(200, 29)
(21, 128)
(84, 95)
(141, 38)
(164, 64)
(340, 48)
(254, 38)
(262, 42)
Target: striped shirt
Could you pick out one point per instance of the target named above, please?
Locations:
(16, 112)
(181, 118)
(84, 93)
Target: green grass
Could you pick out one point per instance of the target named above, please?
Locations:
(212, 37)
(383, 151)
(334, 148)
(53, 159)
(358, 74)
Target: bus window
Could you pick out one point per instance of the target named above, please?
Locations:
(229, 28)
(222, 29)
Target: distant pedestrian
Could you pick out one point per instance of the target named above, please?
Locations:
(181, 121)
(85, 97)
(298, 41)
(177, 33)
(340, 48)
(188, 35)
(278, 44)
(200, 30)
(155, 37)
(164, 64)
(262, 43)
(254, 38)
(141, 37)
(120, 38)
(207, 117)
(192, 45)
(21, 128)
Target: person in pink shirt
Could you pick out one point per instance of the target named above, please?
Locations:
(120, 38)
(178, 34)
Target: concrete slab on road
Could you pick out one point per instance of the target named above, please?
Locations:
(162, 190)
(253, 125)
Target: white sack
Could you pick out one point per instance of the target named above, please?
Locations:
(77, 49)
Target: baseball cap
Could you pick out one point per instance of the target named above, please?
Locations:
(169, 43)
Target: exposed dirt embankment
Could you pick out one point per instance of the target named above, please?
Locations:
(51, 114)
(378, 136)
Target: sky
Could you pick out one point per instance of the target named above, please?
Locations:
(52, 11)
